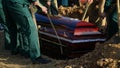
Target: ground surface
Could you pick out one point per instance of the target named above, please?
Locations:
(105, 55)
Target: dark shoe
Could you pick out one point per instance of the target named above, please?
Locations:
(40, 60)
(14, 52)
(7, 48)
(25, 54)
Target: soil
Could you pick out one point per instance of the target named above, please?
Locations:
(105, 55)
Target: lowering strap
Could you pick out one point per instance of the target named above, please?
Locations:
(61, 49)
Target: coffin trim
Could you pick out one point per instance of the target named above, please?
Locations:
(74, 41)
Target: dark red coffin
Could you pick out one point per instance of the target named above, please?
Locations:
(72, 33)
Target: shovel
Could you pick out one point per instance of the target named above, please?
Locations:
(84, 15)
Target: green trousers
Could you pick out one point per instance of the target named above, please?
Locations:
(22, 30)
(112, 28)
(3, 22)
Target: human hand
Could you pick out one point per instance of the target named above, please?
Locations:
(37, 3)
(86, 1)
(44, 9)
(48, 3)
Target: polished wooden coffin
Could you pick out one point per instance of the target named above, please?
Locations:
(70, 33)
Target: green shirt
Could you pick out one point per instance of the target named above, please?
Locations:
(22, 1)
(113, 14)
(0, 3)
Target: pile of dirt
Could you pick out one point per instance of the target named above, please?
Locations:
(78, 12)
(105, 55)
(73, 12)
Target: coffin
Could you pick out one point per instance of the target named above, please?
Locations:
(71, 33)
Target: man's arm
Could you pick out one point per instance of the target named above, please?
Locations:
(37, 3)
(101, 6)
(86, 1)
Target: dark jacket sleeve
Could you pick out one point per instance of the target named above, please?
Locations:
(107, 5)
(32, 1)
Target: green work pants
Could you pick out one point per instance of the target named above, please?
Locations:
(23, 32)
(4, 24)
(112, 28)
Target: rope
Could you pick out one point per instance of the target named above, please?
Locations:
(84, 15)
(52, 42)
(55, 32)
